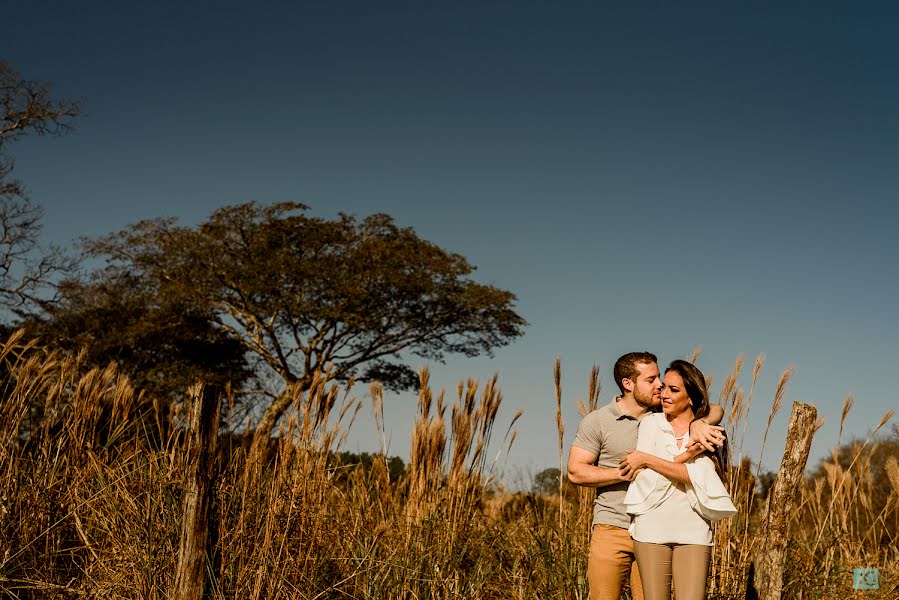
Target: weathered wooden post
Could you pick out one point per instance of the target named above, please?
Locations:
(199, 476)
(767, 580)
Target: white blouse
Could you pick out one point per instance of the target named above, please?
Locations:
(667, 512)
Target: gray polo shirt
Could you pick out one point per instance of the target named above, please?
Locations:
(609, 433)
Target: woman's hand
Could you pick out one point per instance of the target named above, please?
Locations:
(632, 463)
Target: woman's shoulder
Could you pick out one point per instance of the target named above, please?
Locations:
(653, 427)
(653, 421)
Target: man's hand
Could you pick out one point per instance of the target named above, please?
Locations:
(631, 464)
(707, 436)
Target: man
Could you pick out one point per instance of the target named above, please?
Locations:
(604, 437)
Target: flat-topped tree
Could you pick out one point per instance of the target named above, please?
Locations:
(163, 344)
(303, 293)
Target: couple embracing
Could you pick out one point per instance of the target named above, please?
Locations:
(656, 456)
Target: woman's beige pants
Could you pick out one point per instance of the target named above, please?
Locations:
(686, 564)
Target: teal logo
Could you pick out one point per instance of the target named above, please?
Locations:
(865, 579)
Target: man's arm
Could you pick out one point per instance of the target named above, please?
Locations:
(582, 471)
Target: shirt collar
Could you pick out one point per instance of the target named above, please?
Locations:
(617, 412)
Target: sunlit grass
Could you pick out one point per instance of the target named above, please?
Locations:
(90, 485)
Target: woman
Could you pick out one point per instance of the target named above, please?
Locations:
(673, 503)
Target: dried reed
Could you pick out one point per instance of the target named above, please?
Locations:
(90, 498)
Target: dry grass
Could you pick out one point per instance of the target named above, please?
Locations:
(560, 430)
(90, 500)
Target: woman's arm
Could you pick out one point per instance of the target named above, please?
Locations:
(644, 456)
(692, 451)
(705, 432)
(636, 460)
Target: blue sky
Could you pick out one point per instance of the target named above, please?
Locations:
(651, 176)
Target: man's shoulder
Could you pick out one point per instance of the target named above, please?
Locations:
(593, 428)
(602, 414)
(606, 418)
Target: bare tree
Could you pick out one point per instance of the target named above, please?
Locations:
(27, 269)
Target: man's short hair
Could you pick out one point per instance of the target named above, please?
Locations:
(626, 366)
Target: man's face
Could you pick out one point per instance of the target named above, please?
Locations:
(647, 385)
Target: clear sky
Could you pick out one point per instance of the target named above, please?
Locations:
(648, 175)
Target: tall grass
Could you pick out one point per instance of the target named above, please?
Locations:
(90, 499)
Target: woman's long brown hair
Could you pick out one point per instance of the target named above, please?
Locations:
(698, 392)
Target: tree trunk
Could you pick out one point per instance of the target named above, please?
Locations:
(767, 580)
(199, 477)
(270, 416)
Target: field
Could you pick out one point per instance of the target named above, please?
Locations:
(92, 476)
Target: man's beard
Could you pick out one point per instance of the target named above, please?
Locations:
(644, 401)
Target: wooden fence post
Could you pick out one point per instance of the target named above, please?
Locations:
(766, 580)
(199, 477)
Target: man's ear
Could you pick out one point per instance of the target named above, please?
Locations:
(627, 384)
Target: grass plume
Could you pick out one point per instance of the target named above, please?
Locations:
(90, 497)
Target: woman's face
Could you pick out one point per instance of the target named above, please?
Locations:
(674, 398)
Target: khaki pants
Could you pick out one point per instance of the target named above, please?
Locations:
(687, 564)
(610, 563)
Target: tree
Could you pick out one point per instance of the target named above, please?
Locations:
(27, 270)
(305, 294)
(163, 345)
(547, 481)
